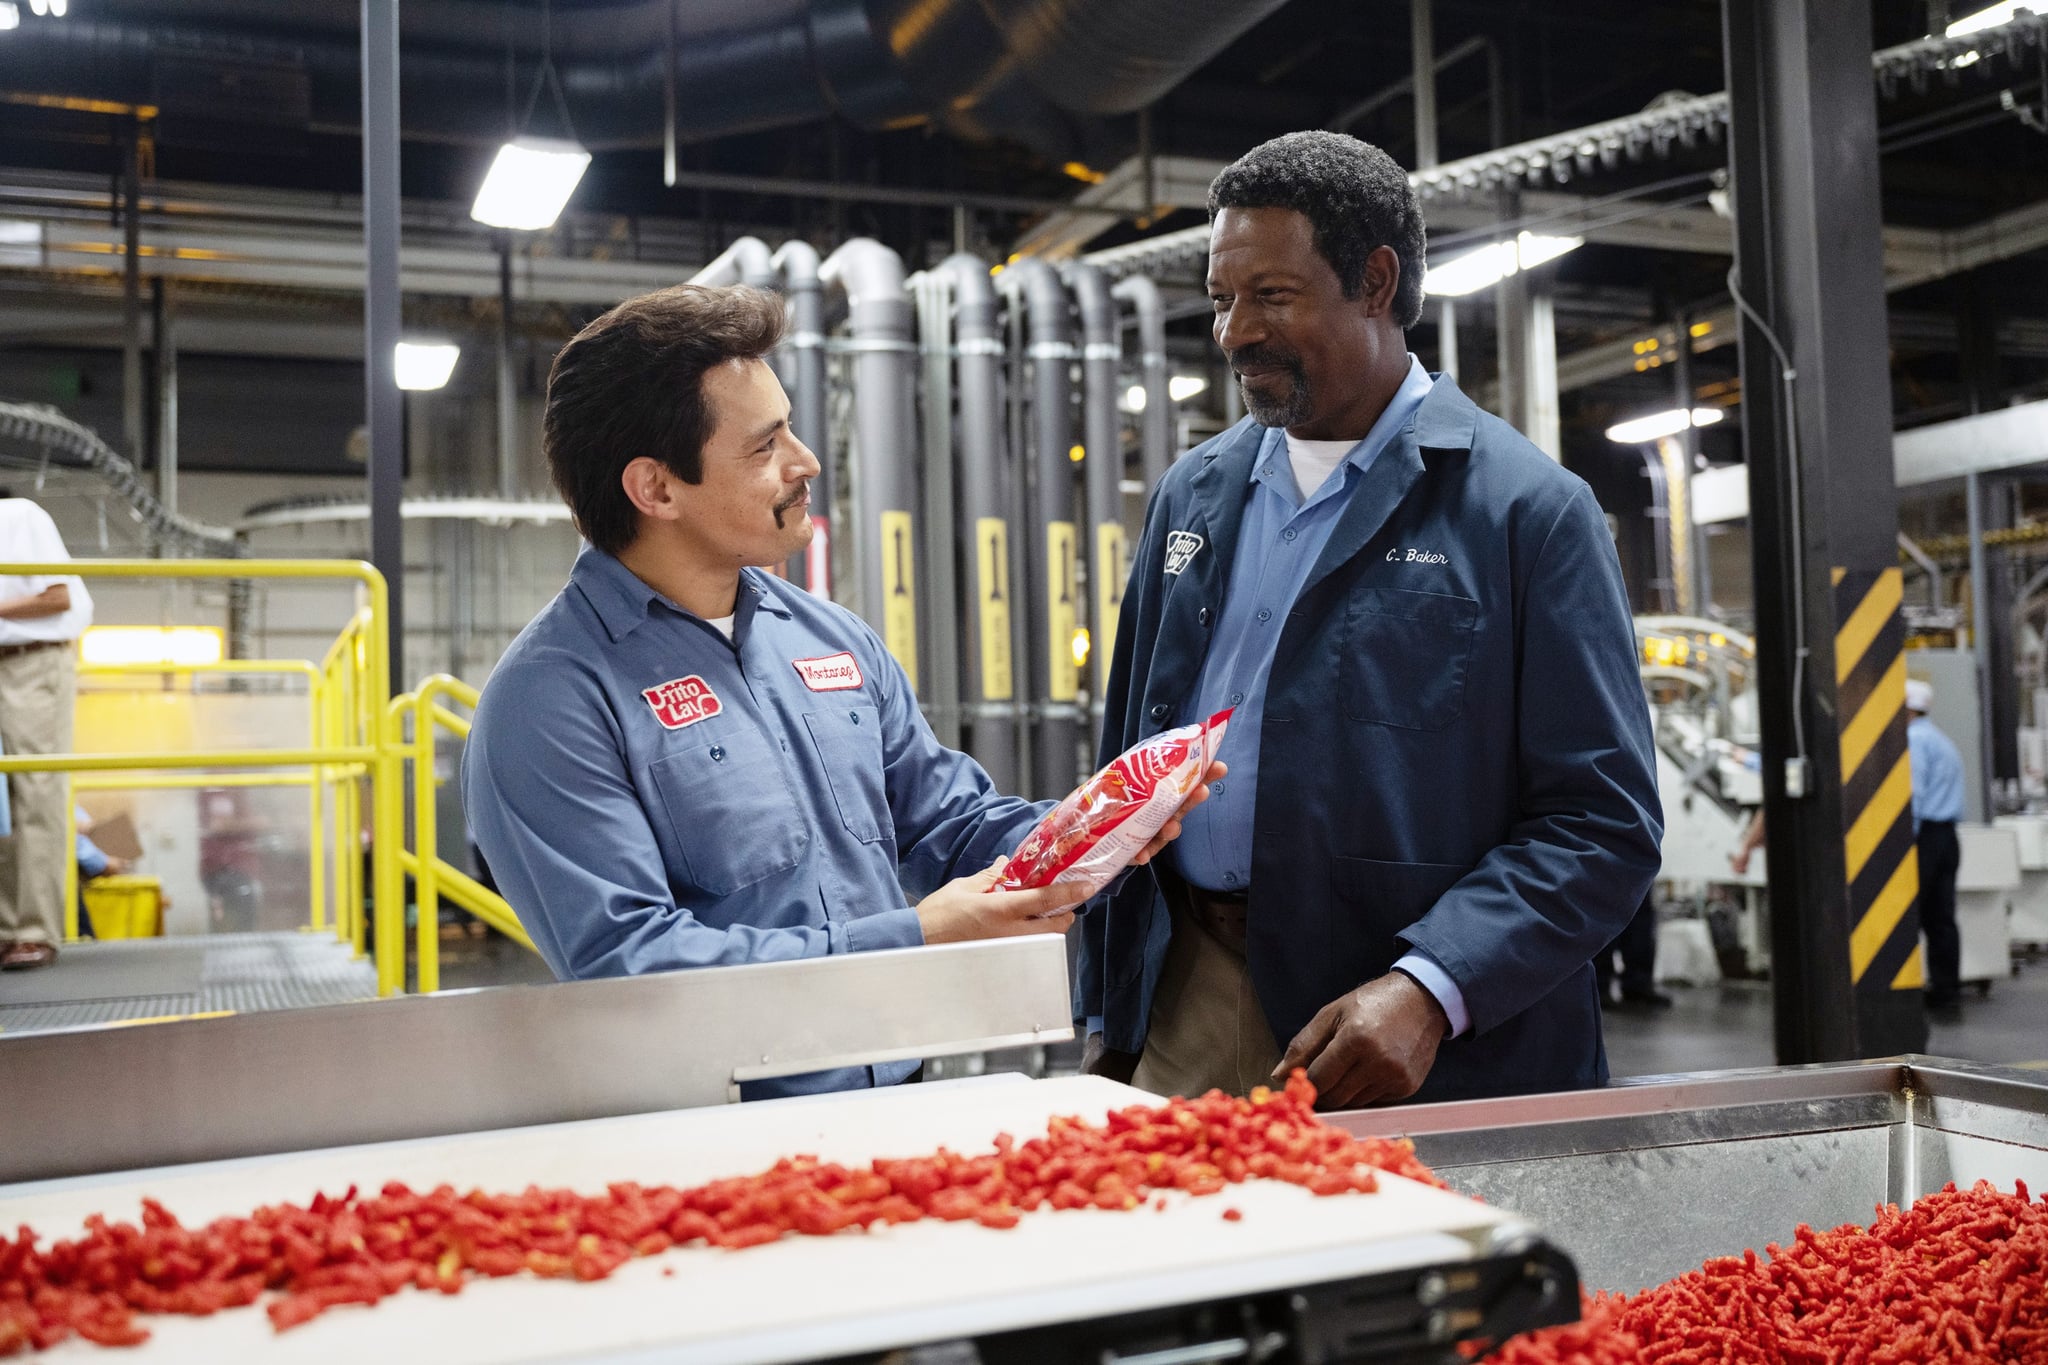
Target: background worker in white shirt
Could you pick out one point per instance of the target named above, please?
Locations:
(40, 622)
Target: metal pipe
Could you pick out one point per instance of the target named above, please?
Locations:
(1156, 426)
(1980, 639)
(1102, 467)
(381, 321)
(795, 265)
(166, 299)
(938, 546)
(746, 261)
(131, 293)
(884, 434)
(989, 683)
(1050, 536)
(1937, 586)
(508, 380)
(1688, 451)
(1422, 53)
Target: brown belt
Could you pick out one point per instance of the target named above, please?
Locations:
(1221, 913)
(9, 651)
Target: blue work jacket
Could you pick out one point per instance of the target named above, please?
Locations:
(652, 796)
(1456, 754)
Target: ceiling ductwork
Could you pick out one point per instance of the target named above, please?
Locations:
(1031, 70)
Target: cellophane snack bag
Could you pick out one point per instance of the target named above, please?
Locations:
(1093, 834)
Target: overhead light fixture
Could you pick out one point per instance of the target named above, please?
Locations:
(1639, 430)
(1182, 387)
(423, 365)
(1134, 398)
(529, 183)
(1489, 265)
(10, 16)
(1998, 14)
(21, 242)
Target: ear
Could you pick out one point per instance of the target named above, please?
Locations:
(1382, 281)
(651, 487)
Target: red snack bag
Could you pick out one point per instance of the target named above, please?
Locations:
(1093, 835)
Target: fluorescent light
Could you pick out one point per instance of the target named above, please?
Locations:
(529, 182)
(21, 242)
(1489, 265)
(1639, 430)
(10, 16)
(1134, 398)
(39, 6)
(168, 645)
(1998, 14)
(1182, 387)
(57, 8)
(425, 364)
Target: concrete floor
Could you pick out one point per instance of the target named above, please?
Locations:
(1713, 1028)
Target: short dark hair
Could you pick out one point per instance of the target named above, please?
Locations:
(632, 384)
(1355, 196)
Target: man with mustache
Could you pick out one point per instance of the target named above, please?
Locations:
(683, 761)
(1443, 800)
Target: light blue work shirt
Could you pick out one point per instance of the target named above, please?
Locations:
(651, 796)
(1283, 534)
(1937, 773)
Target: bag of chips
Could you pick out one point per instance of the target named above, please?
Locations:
(1091, 836)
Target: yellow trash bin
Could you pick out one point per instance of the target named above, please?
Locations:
(125, 907)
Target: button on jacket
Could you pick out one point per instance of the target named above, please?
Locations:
(651, 796)
(1455, 755)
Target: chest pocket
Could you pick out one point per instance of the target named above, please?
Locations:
(1405, 655)
(849, 744)
(730, 808)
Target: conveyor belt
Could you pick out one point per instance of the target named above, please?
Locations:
(97, 983)
(800, 1298)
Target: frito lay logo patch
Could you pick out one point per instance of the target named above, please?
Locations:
(683, 701)
(1180, 549)
(831, 673)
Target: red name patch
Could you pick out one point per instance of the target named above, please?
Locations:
(833, 673)
(684, 701)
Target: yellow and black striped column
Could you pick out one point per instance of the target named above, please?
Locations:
(1880, 864)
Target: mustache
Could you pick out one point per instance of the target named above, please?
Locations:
(1267, 356)
(803, 491)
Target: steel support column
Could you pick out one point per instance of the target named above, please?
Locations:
(383, 402)
(164, 303)
(508, 380)
(133, 429)
(1422, 38)
(1816, 411)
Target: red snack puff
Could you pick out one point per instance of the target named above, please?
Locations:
(1093, 834)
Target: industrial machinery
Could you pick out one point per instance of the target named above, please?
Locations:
(593, 1082)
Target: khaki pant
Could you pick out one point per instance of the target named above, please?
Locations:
(38, 691)
(1207, 1031)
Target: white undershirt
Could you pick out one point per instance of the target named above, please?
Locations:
(722, 624)
(1314, 461)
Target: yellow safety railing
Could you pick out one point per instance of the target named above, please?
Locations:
(349, 746)
(433, 876)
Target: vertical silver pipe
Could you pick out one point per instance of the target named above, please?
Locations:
(381, 311)
(746, 261)
(1102, 468)
(1422, 60)
(1688, 450)
(668, 97)
(795, 264)
(1447, 337)
(508, 381)
(884, 537)
(1050, 541)
(166, 329)
(1980, 642)
(1156, 428)
(131, 295)
(938, 545)
(989, 673)
(1539, 354)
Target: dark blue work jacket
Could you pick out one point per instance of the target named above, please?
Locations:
(1456, 754)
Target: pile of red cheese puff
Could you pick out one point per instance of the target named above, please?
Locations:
(1961, 1277)
(359, 1250)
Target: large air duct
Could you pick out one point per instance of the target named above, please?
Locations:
(746, 261)
(796, 267)
(1052, 547)
(884, 536)
(1018, 68)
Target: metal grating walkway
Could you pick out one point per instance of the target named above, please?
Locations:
(101, 983)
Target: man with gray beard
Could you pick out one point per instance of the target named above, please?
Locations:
(1442, 799)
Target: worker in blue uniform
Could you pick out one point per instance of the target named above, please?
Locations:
(684, 761)
(1442, 800)
(1937, 810)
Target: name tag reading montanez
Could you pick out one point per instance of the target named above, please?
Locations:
(832, 673)
(683, 701)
